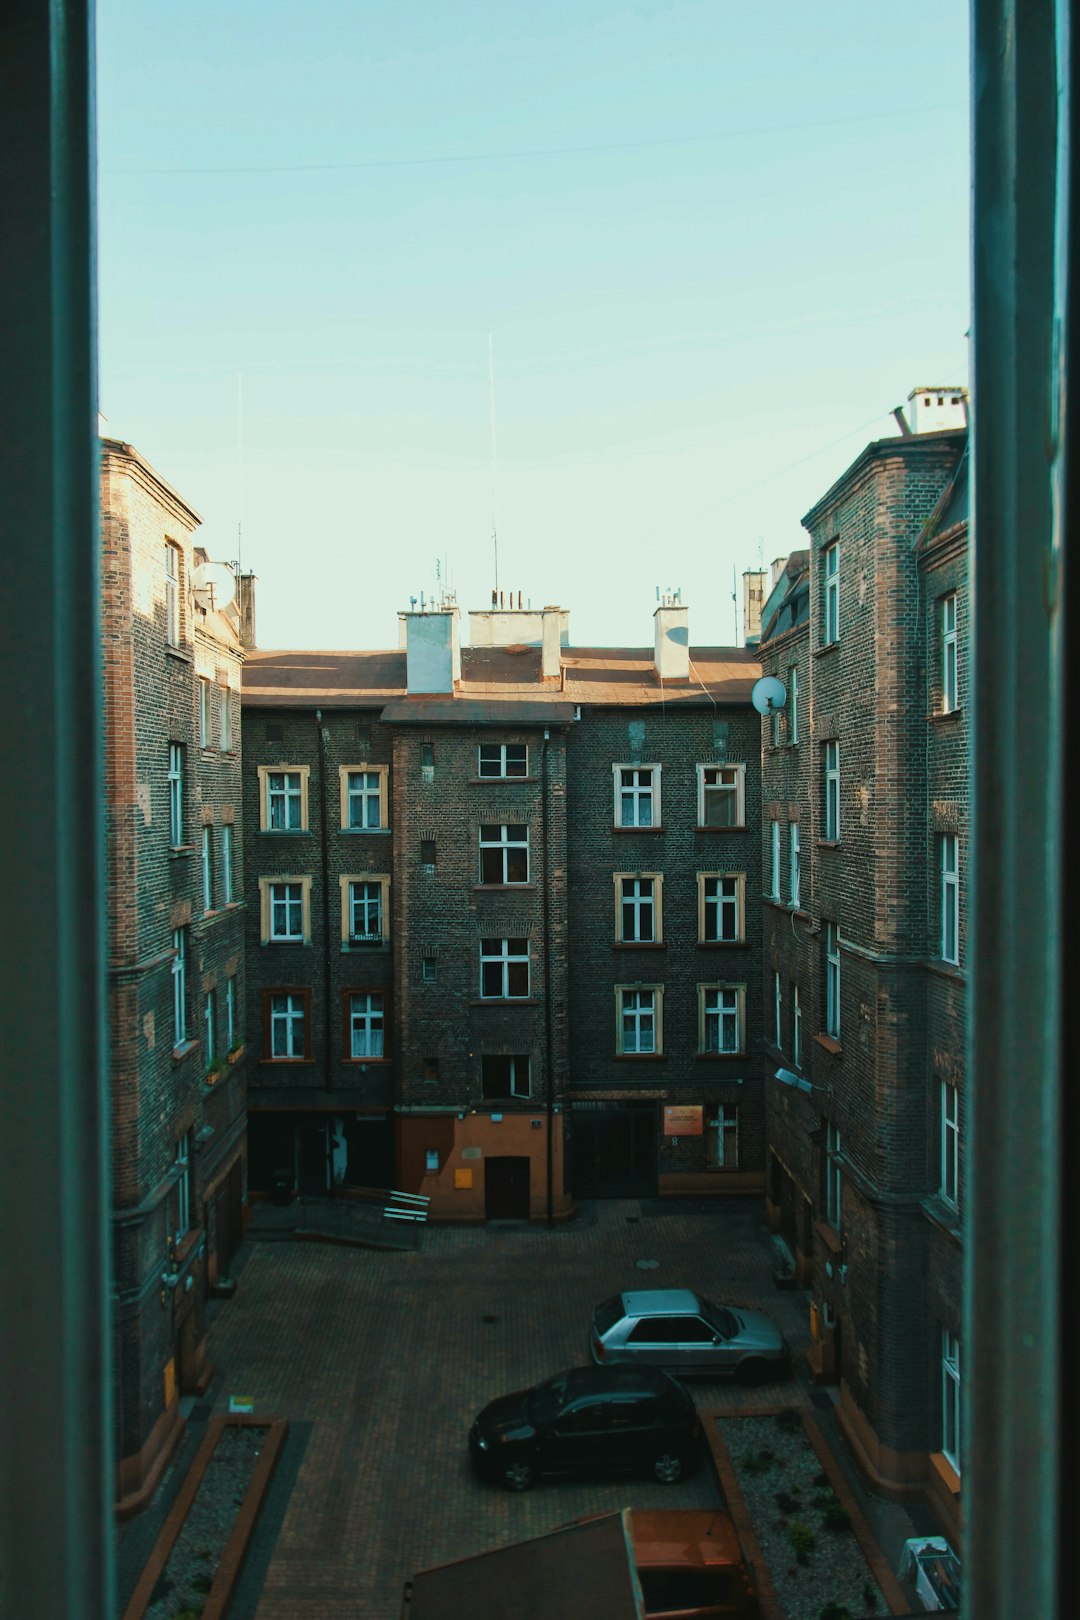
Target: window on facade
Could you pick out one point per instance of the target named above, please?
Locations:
(287, 1024)
(950, 1398)
(949, 697)
(428, 854)
(230, 1012)
(181, 1200)
(638, 908)
(204, 714)
(720, 1017)
(179, 983)
(722, 1136)
(950, 899)
(207, 868)
(504, 853)
(363, 799)
(429, 1070)
(504, 968)
(505, 1075)
(638, 1030)
(950, 1144)
(227, 863)
(367, 1025)
(224, 720)
(721, 795)
(721, 902)
(774, 728)
(427, 762)
(176, 795)
(774, 860)
(429, 969)
(503, 759)
(793, 704)
(831, 618)
(832, 980)
(637, 795)
(285, 910)
(172, 594)
(284, 800)
(365, 910)
(831, 778)
(796, 1027)
(209, 1012)
(778, 1013)
(833, 1162)
(794, 868)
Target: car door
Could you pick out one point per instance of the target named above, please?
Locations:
(698, 1348)
(577, 1441)
(637, 1430)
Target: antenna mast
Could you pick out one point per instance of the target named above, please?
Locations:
(491, 407)
(735, 600)
(239, 465)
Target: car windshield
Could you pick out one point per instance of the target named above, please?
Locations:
(607, 1314)
(719, 1318)
(547, 1400)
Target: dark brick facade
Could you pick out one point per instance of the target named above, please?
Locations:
(172, 708)
(885, 1275)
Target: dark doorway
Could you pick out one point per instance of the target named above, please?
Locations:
(615, 1149)
(370, 1140)
(314, 1166)
(506, 1189)
(228, 1218)
(187, 1370)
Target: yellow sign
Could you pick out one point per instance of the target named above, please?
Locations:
(170, 1382)
(684, 1121)
(463, 1178)
(242, 1403)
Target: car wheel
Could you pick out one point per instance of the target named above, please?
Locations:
(519, 1475)
(668, 1467)
(753, 1370)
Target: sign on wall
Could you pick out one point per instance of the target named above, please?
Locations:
(680, 1120)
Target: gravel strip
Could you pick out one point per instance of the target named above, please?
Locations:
(186, 1579)
(790, 1500)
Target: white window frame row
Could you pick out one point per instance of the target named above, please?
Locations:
(639, 1020)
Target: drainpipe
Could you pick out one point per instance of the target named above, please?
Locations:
(548, 1018)
(325, 850)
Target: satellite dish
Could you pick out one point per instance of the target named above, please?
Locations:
(768, 695)
(214, 585)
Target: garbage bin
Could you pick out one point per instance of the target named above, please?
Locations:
(281, 1187)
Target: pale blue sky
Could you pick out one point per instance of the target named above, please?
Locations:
(714, 245)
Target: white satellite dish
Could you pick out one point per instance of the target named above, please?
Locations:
(768, 695)
(214, 585)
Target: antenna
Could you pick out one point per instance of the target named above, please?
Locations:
(491, 409)
(735, 601)
(239, 464)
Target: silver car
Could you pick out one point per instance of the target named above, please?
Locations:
(683, 1333)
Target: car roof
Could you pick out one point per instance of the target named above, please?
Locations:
(661, 1302)
(613, 1379)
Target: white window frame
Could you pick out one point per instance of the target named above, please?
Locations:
(224, 719)
(950, 1144)
(367, 1020)
(183, 1188)
(204, 712)
(832, 980)
(230, 1012)
(227, 891)
(796, 1027)
(724, 784)
(727, 903)
(298, 881)
(830, 754)
(833, 1191)
(291, 1019)
(778, 1013)
(173, 577)
(364, 786)
(642, 907)
(639, 1007)
(288, 792)
(209, 1011)
(498, 756)
(178, 968)
(206, 867)
(520, 1083)
(949, 687)
(505, 959)
(774, 728)
(348, 882)
(774, 860)
(176, 795)
(793, 704)
(722, 1005)
(949, 940)
(722, 1124)
(950, 1398)
(503, 844)
(794, 866)
(640, 795)
(831, 572)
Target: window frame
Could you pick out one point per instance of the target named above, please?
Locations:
(778, 1012)
(267, 884)
(830, 557)
(735, 1009)
(265, 797)
(175, 779)
(507, 960)
(228, 888)
(292, 992)
(796, 1026)
(738, 787)
(950, 897)
(721, 902)
(656, 991)
(717, 1125)
(383, 1016)
(349, 939)
(794, 866)
(182, 1188)
(174, 574)
(178, 971)
(209, 1026)
(230, 1012)
(655, 903)
(775, 890)
(832, 1162)
(514, 1093)
(206, 867)
(793, 704)
(639, 794)
(832, 980)
(950, 691)
(504, 844)
(830, 777)
(380, 795)
(225, 739)
(204, 712)
(503, 774)
(951, 1399)
(949, 1119)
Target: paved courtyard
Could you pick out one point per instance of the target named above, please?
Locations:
(380, 1361)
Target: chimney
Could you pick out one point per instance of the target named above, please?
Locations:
(672, 654)
(245, 602)
(432, 650)
(934, 410)
(753, 602)
(551, 643)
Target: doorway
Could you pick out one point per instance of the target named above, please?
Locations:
(615, 1149)
(506, 1189)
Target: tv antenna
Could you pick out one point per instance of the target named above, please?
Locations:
(491, 412)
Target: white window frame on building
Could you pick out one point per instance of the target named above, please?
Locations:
(224, 719)
(505, 969)
(639, 908)
(949, 941)
(182, 1189)
(173, 581)
(637, 795)
(721, 1019)
(371, 906)
(283, 798)
(364, 798)
(721, 908)
(833, 1162)
(176, 795)
(206, 867)
(227, 892)
(796, 1026)
(209, 1021)
(502, 761)
(639, 1020)
(774, 728)
(832, 980)
(774, 859)
(950, 1399)
(285, 898)
(367, 1025)
(778, 1013)
(722, 796)
(794, 866)
(722, 1136)
(830, 755)
(505, 1075)
(230, 1012)
(793, 704)
(830, 559)
(949, 686)
(504, 853)
(287, 1017)
(204, 712)
(178, 969)
(950, 1144)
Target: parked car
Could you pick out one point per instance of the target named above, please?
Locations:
(689, 1564)
(589, 1420)
(676, 1329)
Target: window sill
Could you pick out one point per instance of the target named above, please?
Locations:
(288, 1063)
(945, 970)
(736, 827)
(945, 1216)
(824, 651)
(639, 1057)
(368, 832)
(831, 1238)
(503, 888)
(297, 941)
(720, 1057)
(380, 947)
(942, 717)
(179, 1053)
(829, 1044)
(176, 850)
(181, 653)
(284, 832)
(505, 1001)
(498, 781)
(827, 843)
(639, 945)
(657, 829)
(368, 1063)
(721, 944)
(945, 1471)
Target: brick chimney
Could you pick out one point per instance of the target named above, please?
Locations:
(432, 650)
(245, 603)
(672, 647)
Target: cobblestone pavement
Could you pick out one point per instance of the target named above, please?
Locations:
(381, 1360)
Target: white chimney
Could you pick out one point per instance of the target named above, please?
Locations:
(933, 410)
(552, 643)
(432, 650)
(672, 654)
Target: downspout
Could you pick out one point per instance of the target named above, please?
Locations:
(548, 1018)
(325, 852)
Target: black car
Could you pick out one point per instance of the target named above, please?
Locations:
(589, 1420)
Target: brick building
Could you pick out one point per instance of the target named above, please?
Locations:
(172, 661)
(865, 825)
(504, 935)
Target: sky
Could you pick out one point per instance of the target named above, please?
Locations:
(625, 286)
